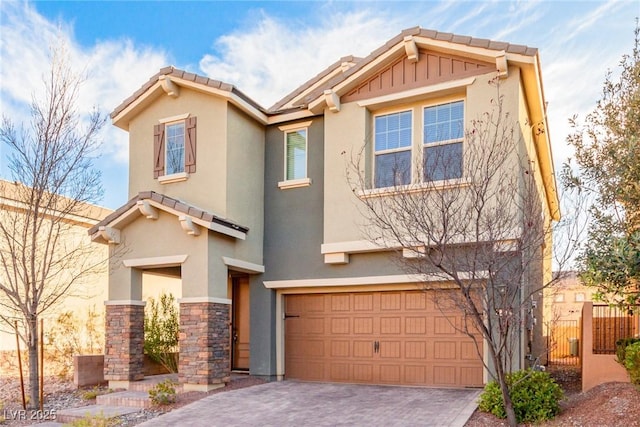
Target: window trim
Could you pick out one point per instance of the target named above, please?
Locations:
(166, 149)
(305, 180)
(393, 150)
(424, 145)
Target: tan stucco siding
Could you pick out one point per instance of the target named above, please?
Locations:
(245, 189)
(163, 237)
(347, 131)
(207, 187)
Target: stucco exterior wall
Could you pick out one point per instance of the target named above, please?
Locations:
(207, 187)
(245, 182)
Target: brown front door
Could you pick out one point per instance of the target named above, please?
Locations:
(378, 338)
(240, 325)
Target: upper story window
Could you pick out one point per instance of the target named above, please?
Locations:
(174, 148)
(393, 149)
(443, 137)
(396, 155)
(580, 297)
(296, 154)
(559, 298)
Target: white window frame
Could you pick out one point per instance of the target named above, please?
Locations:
(179, 176)
(166, 146)
(409, 148)
(424, 145)
(299, 182)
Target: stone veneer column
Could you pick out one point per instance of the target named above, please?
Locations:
(124, 342)
(205, 349)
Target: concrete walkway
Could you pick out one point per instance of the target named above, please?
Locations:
(292, 403)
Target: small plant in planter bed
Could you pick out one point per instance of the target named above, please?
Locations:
(163, 393)
(534, 394)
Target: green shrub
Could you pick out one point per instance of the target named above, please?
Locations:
(534, 394)
(632, 362)
(161, 330)
(621, 347)
(163, 393)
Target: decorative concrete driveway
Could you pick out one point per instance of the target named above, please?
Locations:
(290, 403)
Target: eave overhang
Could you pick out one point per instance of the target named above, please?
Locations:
(147, 204)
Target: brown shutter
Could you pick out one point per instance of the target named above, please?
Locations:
(190, 145)
(158, 150)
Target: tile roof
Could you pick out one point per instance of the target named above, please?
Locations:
(417, 32)
(359, 64)
(181, 74)
(171, 203)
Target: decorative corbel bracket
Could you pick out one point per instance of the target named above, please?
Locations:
(169, 87)
(188, 226)
(332, 100)
(502, 65)
(110, 234)
(411, 48)
(147, 210)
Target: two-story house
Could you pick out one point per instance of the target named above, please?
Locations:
(251, 209)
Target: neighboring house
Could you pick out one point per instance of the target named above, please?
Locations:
(249, 207)
(84, 296)
(564, 299)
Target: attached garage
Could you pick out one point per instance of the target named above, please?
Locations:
(400, 338)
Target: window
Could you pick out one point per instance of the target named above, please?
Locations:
(393, 149)
(296, 154)
(443, 136)
(174, 148)
(559, 298)
(580, 297)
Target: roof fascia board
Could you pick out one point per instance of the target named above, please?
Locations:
(301, 95)
(286, 117)
(126, 216)
(543, 145)
(243, 105)
(232, 97)
(67, 218)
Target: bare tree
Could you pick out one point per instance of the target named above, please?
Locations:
(473, 230)
(42, 255)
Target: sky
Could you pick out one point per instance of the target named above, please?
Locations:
(267, 49)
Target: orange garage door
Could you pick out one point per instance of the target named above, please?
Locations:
(379, 338)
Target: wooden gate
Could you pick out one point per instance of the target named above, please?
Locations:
(563, 343)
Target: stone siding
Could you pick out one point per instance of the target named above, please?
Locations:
(205, 346)
(124, 346)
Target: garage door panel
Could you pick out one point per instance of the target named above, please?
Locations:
(445, 375)
(415, 301)
(415, 374)
(415, 325)
(390, 325)
(390, 374)
(390, 349)
(444, 350)
(390, 301)
(363, 302)
(415, 350)
(378, 338)
(363, 325)
(340, 348)
(363, 372)
(340, 325)
(363, 349)
(340, 302)
(444, 325)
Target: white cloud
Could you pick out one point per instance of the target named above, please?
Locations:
(114, 69)
(273, 57)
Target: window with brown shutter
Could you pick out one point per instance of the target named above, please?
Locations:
(158, 150)
(174, 148)
(190, 145)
